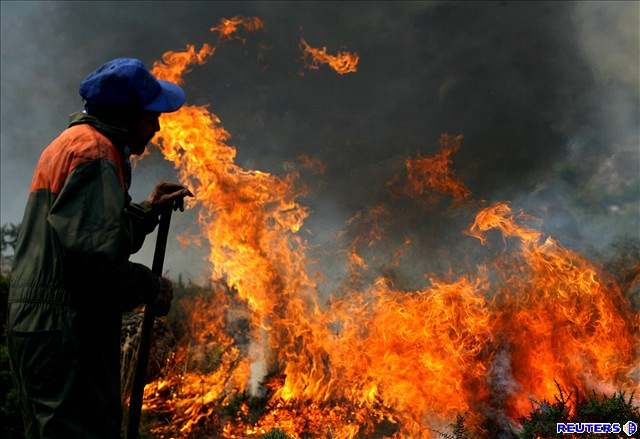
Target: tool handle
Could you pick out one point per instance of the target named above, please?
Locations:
(146, 332)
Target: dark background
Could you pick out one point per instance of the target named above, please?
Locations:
(546, 94)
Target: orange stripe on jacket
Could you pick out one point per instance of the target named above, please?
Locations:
(73, 147)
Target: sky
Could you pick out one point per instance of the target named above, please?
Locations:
(546, 94)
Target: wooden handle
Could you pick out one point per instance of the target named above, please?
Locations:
(142, 359)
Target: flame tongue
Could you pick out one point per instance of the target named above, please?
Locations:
(375, 359)
(435, 172)
(227, 27)
(175, 64)
(342, 63)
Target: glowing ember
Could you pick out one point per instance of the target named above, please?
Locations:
(342, 62)
(263, 354)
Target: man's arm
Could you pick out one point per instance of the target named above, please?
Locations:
(144, 216)
(144, 219)
(95, 231)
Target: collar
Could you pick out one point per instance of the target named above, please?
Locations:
(116, 134)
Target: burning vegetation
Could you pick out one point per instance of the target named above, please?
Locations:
(261, 351)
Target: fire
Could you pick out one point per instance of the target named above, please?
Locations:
(229, 26)
(207, 372)
(435, 173)
(342, 62)
(561, 319)
(375, 360)
(499, 216)
(174, 64)
(369, 226)
(419, 353)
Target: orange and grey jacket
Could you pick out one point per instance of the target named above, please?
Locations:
(71, 280)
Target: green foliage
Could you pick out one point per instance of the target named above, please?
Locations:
(276, 434)
(233, 409)
(541, 422)
(235, 402)
(601, 408)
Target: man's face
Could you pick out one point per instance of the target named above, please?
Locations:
(143, 131)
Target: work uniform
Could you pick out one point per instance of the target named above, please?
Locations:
(71, 280)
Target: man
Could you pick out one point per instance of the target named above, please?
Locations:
(71, 277)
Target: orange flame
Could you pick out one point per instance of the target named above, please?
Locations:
(499, 217)
(434, 172)
(374, 356)
(562, 322)
(174, 64)
(342, 63)
(229, 26)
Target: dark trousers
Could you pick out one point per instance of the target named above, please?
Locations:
(69, 379)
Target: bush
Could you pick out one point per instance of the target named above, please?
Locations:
(614, 408)
(276, 434)
(541, 422)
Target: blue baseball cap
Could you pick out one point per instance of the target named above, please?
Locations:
(125, 83)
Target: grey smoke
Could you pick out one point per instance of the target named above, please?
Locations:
(259, 367)
(546, 94)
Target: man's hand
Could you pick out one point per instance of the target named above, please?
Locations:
(162, 303)
(168, 195)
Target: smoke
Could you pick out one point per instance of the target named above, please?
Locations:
(545, 93)
(591, 199)
(502, 385)
(259, 355)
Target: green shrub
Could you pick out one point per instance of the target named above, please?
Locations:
(614, 408)
(541, 422)
(276, 434)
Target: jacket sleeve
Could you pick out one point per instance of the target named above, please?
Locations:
(94, 229)
(143, 221)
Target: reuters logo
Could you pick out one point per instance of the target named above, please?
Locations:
(630, 428)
